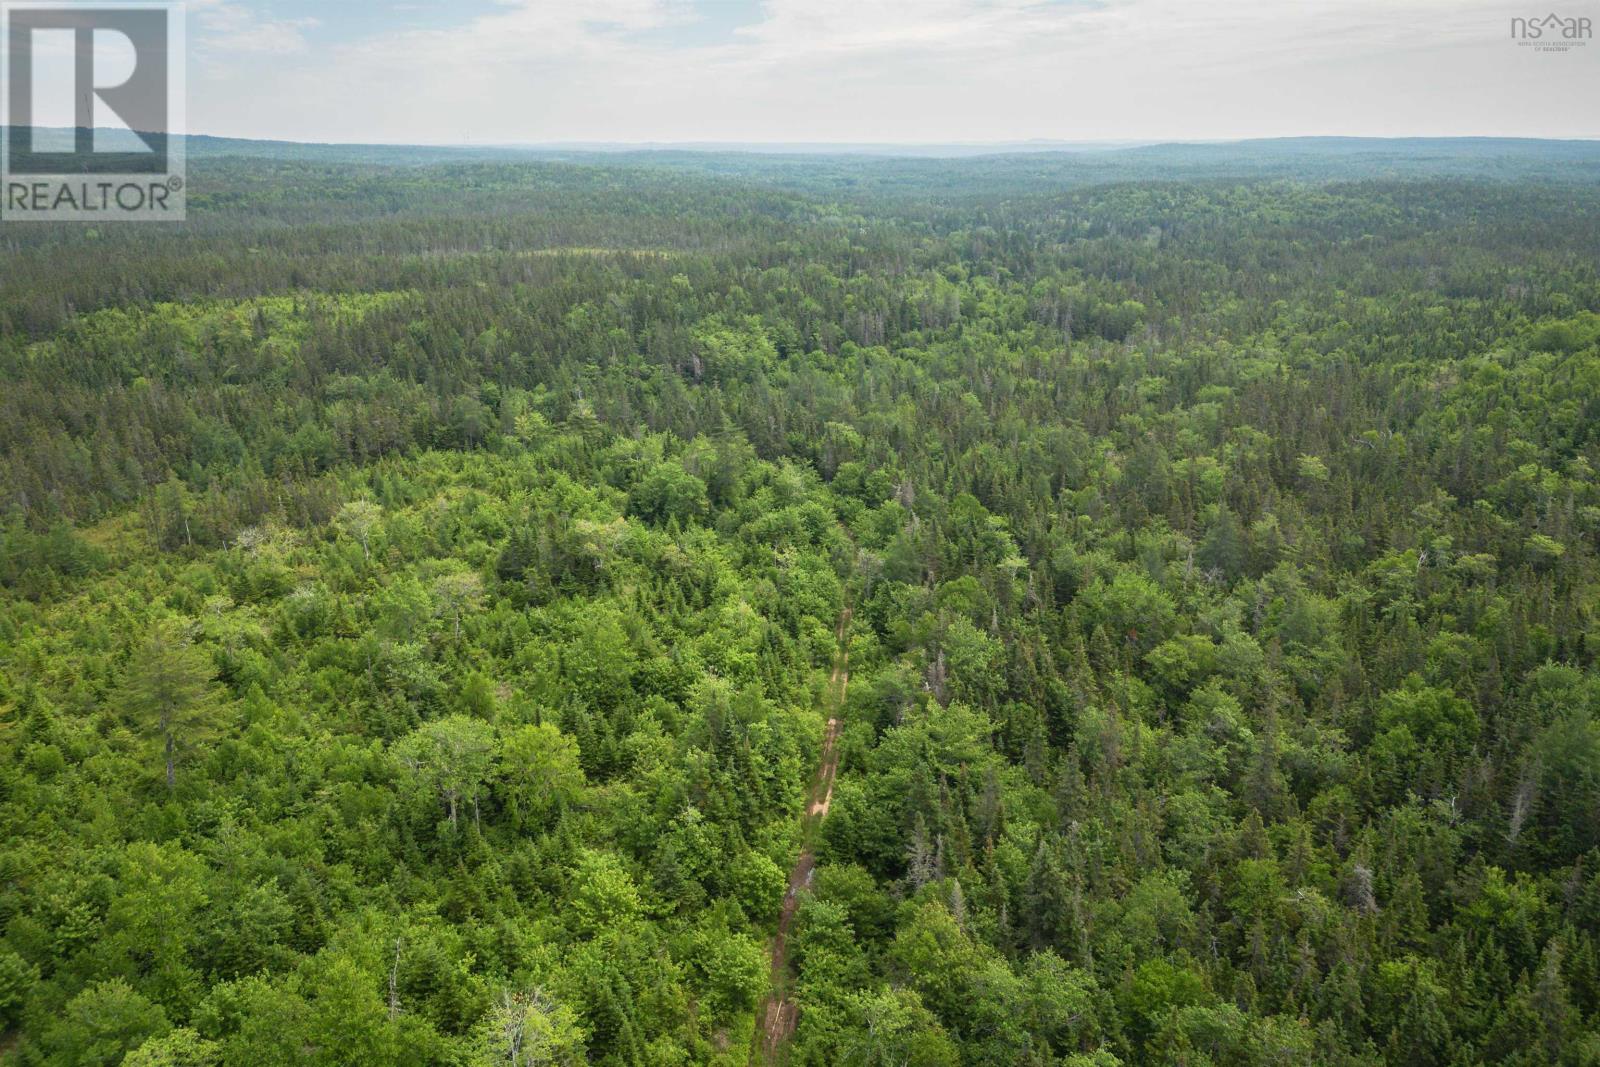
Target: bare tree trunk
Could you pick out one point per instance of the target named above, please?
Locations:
(394, 983)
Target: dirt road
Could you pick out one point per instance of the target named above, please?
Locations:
(778, 1014)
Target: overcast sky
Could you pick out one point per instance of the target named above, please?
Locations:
(520, 71)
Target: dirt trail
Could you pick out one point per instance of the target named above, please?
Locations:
(778, 1013)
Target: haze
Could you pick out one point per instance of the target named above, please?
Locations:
(536, 71)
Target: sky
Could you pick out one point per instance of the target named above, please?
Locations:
(915, 71)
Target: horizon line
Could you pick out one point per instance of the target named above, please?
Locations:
(1036, 143)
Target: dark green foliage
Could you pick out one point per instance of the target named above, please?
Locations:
(418, 584)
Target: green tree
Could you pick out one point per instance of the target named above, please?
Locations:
(528, 1029)
(539, 773)
(101, 1025)
(450, 757)
(892, 1029)
(359, 520)
(457, 594)
(167, 692)
(179, 1048)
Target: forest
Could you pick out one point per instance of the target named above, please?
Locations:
(436, 590)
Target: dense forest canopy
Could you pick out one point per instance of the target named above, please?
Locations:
(425, 581)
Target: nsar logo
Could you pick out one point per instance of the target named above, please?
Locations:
(1552, 33)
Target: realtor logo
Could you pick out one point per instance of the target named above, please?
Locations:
(93, 99)
(1552, 32)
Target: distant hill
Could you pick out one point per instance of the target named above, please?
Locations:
(933, 169)
(204, 145)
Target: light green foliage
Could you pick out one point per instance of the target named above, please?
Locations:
(178, 1048)
(450, 757)
(669, 494)
(528, 1030)
(359, 520)
(100, 1025)
(604, 895)
(893, 1028)
(539, 771)
(730, 966)
(420, 615)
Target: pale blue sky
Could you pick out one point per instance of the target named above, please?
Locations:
(523, 71)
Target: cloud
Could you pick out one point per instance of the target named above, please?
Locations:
(888, 70)
(229, 29)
